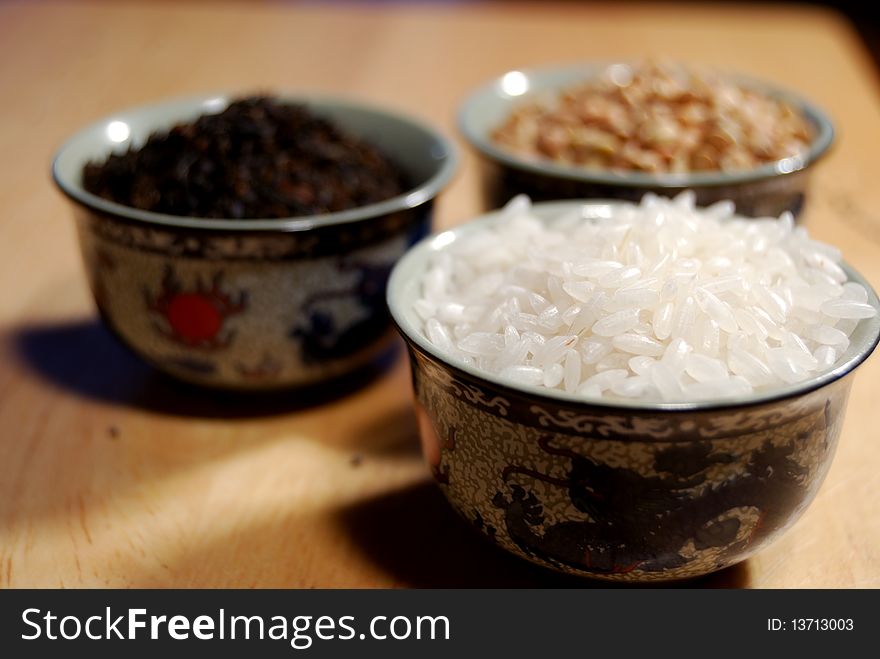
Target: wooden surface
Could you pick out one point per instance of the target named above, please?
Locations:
(110, 475)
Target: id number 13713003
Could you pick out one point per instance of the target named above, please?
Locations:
(810, 624)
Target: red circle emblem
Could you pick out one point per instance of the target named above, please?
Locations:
(194, 317)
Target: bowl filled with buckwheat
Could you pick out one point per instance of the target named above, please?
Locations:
(619, 130)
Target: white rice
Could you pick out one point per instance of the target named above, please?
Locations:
(661, 301)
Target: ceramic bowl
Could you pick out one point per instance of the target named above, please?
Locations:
(251, 304)
(763, 191)
(619, 490)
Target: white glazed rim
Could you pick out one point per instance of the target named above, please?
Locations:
(406, 276)
(187, 106)
(818, 147)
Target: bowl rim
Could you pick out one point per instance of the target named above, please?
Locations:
(418, 255)
(213, 102)
(822, 142)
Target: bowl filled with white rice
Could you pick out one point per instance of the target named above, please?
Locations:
(630, 391)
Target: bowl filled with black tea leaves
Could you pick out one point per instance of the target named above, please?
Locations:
(245, 243)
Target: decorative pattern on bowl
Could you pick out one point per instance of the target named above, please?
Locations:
(251, 311)
(635, 496)
(768, 197)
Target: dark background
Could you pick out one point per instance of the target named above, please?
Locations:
(864, 16)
